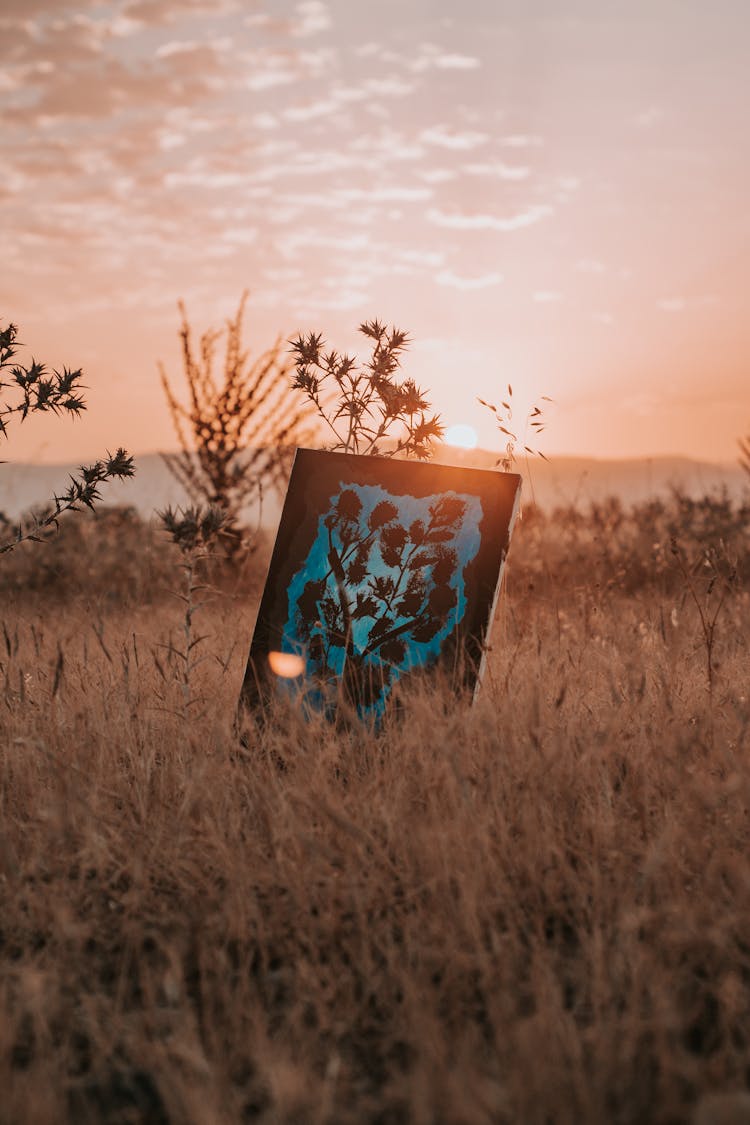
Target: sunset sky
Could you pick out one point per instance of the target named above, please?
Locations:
(548, 192)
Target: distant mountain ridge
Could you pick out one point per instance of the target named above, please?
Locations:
(559, 482)
(578, 481)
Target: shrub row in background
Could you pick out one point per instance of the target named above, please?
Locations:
(116, 555)
(611, 546)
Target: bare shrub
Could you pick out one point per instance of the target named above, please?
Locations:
(608, 546)
(238, 430)
(111, 556)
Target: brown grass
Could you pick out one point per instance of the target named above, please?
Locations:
(534, 910)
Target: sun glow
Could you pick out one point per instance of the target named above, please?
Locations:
(461, 435)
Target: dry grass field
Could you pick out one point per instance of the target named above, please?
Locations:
(534, 910)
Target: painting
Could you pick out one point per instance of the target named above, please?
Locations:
(381, 569)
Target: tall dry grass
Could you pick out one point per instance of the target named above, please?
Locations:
(534, 910)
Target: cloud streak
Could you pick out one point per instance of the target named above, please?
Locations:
(447, 277)
(461, 221)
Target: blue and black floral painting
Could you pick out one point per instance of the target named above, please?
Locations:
(381, 588)
(381, 568)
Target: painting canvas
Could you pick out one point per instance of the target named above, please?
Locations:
(381, 569)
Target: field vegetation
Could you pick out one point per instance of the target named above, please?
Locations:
(535, 909)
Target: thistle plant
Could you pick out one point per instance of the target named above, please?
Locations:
(363, 405)
(195, 532)
(36, 390)
(709, 579)
(504, 419)
(82, 492)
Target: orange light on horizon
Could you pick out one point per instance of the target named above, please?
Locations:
(462, 436)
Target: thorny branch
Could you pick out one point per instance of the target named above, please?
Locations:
(364, 406)
(38, 391)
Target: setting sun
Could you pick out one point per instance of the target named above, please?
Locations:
(461, 435)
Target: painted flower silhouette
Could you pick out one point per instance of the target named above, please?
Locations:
(383, 589)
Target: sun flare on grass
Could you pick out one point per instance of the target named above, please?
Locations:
(462, 436)
(287, 665)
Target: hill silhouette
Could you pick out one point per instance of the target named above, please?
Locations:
(561, 481)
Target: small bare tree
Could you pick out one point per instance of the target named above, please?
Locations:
(36, 390)
(237, 432)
